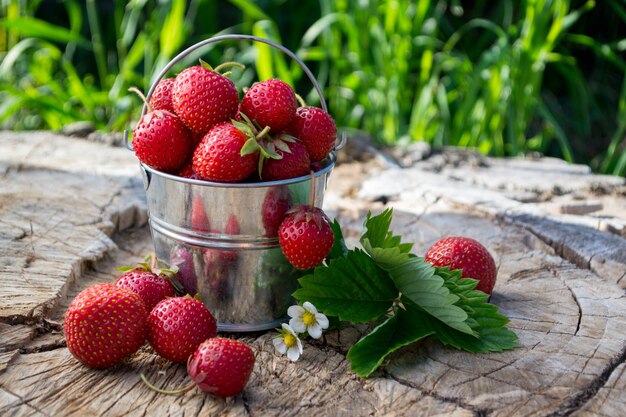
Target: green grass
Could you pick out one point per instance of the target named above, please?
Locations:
(508, 77)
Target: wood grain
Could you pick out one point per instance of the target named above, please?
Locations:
(560, 280)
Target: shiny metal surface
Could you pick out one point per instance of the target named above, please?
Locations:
(223, 239)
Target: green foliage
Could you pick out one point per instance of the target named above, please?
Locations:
(413, 277)
(505, 77)
(408, 298)
(352, 288)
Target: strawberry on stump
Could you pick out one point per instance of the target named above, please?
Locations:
(150, 283)
(104, 324)
(178, 325)
(305, 235)
(466, 254)
(219, 366)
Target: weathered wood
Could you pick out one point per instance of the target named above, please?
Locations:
(558, 280)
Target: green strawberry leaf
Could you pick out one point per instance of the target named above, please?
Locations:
(251, 146)
(397, 331)
(339, 249)
(353, 288)
(376, 233)
(414, 277)
(487, 321)
(492, 337)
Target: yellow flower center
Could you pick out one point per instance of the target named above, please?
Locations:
(290, 340)
(308, 318)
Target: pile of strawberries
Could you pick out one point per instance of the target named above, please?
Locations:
(197, 127)
(107, 323)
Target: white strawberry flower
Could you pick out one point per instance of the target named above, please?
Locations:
(288, 342)
(306, 318)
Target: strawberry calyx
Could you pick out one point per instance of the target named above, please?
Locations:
(305, 213)
(228, 64)
(260, 140)
(157, 267)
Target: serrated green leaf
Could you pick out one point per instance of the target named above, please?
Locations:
(339, 249)
(353, 288)
(414, 277)
(490, 339)
(376, 233)
(484, 317)
(397, 331)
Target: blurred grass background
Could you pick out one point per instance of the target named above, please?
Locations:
(507, 77)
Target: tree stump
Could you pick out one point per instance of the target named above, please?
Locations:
(71, 211)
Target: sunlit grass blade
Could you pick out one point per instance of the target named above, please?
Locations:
(36, 28)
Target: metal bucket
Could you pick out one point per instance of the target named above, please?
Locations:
(223, 237)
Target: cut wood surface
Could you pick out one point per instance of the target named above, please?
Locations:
(71, 211)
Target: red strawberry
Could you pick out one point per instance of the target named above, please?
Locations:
(295, 163)
(151, 287)
(466, 254)
(221, 366)
(203, 98)
(305, 236)
(187, 172)
(104, 324)
(217, 157)
(178, 325)
(275, 205)
(316, 129)
(162, 141)
(161, 98)
(271, 103)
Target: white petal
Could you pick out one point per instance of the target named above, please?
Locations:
(315, 331)
(287, 327)
(299, 345)
(279, 345)
(297, 324)
(310, 307)
(293, 354)
(295, 311)
(322, 320)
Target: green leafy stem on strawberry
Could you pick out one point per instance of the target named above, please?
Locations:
(406, 297)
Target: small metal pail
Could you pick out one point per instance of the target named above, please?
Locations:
(223, 237)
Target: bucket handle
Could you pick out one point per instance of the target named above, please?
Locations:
(220, 38)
